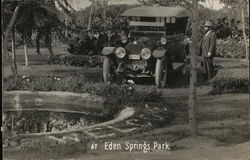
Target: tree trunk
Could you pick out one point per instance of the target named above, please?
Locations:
(3, 55)
(90, 16)
(9, 28)
(14, 66)
(66, 24)
(244, 33)
(7, 32)
(193, 72)
(48, 40)
(25, 54)
(38, 37)
(104, 9)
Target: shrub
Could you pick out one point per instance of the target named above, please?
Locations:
(231, 81)
(76, 60)
(231, 48)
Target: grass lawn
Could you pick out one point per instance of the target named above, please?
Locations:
(38, 65)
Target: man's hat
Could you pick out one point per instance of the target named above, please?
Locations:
(208, 24)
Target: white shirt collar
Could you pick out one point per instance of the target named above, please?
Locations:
(207, 33)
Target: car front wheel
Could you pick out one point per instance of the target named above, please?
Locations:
(161, 73)
(108, 69)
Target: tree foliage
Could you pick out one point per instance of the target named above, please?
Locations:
(111, 12)
(188, 4)
(235, 3)
(35, 15)
(242, 6)
(28, 16)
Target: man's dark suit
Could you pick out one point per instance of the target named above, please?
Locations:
(208, 44)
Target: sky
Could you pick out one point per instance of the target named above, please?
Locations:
(81, 4)
(213, 4)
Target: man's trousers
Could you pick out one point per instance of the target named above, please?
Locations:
(208, 67)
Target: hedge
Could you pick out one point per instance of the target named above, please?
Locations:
(234, 80)
(76, 60)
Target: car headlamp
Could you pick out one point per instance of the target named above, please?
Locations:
(124, 39)
(145, 53)
(120, 52)
(163, 41)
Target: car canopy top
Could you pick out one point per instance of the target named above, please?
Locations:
(156, 12)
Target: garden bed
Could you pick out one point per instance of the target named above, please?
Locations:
(231, 80)
(231, 48)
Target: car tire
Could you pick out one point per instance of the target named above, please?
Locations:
(108, 76)
(161, 73)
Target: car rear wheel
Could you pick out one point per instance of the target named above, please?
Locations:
(161, 73)
(108, 70)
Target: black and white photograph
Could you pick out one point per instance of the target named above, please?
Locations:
(125, 80)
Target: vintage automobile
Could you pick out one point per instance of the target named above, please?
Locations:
(154, 46)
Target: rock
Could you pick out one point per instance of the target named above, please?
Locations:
(5, 145)
(13, 144)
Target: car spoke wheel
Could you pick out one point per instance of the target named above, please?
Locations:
(108, 70)
(161, 73)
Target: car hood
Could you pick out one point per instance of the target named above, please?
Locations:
(137, 45)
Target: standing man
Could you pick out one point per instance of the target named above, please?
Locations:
(207, 50)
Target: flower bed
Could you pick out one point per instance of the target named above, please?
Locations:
(113, 93)
(231, 81)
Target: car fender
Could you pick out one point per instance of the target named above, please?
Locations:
(108, 50)
(182, 49)
(158, 53)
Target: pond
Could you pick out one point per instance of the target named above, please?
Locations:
(31, 114)
(44, 121)
(29, 121)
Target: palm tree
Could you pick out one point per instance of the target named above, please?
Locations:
(7, 28)
(43, 17)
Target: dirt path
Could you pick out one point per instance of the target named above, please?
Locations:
(176, 92)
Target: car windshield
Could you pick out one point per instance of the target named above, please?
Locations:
(146, 28)
(145, 34)
(146, 31)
